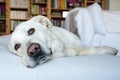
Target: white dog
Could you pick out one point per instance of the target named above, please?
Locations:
(37, 41)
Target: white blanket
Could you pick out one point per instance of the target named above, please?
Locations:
(89, 22)
(111, 21)
(110, 39)
(98, 31)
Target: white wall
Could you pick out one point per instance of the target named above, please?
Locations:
(114, 5)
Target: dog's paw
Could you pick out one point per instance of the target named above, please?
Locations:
(113, 51)
(108, 50)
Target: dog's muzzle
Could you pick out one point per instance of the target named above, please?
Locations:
(35, 52)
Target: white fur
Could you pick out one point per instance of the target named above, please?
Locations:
(60, 41)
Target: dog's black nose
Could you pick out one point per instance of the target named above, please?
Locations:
(34, 50)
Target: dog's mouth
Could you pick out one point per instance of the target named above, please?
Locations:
(43, 59)
(37, 55)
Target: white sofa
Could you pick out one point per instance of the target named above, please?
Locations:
(94, 67)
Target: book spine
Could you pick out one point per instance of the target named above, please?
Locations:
(62, 4)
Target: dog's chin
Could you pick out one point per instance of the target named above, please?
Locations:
(37, 56)
(40, 60)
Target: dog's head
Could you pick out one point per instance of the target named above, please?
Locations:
(31, 40)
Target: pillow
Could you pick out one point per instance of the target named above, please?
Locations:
(85, 26)
(95, 12)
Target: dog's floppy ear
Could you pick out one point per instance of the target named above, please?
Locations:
(42, 20)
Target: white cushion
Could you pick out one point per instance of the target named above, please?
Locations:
(95, 12)
(85, 26)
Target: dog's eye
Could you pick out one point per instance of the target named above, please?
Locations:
(31, 31)
(17, 46)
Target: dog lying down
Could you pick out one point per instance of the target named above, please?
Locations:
(37, 41)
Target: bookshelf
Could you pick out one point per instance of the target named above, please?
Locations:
(18, 12)
(59, 8)
(13, 12)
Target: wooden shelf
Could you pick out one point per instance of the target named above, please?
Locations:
(19, 19)
(39, 14)
(39, 3)
(60, 9)
(4, 21)
(3, 33)
(15, 8)
(92, 1)
(57, 17)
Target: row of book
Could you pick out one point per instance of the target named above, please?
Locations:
(14, 14)
(37, 1)
(14, 24)
(19, 3)
(65, 4)
(36, 9)
(59, 4)
(2, 13)
(2, 26)
(58, 22)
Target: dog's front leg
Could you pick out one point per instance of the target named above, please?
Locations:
(57, 49)
(98, 50)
